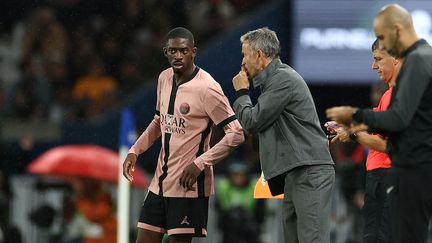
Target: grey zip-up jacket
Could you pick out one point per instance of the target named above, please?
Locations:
(285, 120)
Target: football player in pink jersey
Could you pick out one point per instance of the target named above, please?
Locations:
(189, 103)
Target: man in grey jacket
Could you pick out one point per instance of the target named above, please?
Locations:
(294, 153)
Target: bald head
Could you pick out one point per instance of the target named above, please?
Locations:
(395, 14)
(393, 27)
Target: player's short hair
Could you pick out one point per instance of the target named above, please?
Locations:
(375, 45)
(180, 32)
(263, 39)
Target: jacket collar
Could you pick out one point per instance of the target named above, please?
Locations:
(262, 77)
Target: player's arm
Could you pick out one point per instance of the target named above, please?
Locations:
(371, 141)
(218, 109)
(234, 136)
(147, 138)
(145, 141)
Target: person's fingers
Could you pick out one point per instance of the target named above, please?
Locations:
(129, 166)
(126, 170)
(335, 138)
(130, 170)
(344, 139)
(191, 182)
(358, 128)
(182, 179)
(187, 183)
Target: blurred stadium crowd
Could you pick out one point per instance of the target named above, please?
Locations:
(65, 60)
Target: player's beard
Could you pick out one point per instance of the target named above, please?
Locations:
(396, 47)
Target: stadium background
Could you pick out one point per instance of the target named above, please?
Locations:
(49, 49)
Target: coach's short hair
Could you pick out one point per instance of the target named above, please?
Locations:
(180, 32)
(263, 39)
(375, 45)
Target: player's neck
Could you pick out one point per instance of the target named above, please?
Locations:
(180, 77)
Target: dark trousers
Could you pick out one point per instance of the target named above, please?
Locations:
(411, 203)
(376, 207)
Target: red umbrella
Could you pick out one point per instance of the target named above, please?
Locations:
(83, 160)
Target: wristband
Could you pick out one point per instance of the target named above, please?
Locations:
(353, 136)
(357, 115)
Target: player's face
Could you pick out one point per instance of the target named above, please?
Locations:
(384, 65)
(251, 61)
(388, 37)
(180, 53)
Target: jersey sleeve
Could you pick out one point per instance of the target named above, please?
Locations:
(219, 110)
(153, 130)
(217, 105)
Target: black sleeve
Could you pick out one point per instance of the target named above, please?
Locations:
(410, 87)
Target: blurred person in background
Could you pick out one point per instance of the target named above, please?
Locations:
(8, 232)
(376, 202)
(210, 17)
(60, 83)
(46, 38)
(94, 220)
(130, 77)
(189, 103)
(95, 91)
(239, 214)
(294, 152)
(30, 96)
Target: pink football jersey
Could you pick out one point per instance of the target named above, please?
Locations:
(185, 115)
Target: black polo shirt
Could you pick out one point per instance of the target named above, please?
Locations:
(408, 120)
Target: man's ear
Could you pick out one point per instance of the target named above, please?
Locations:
(260, 53)
(165, 51)
(194, 51)
(399, 28)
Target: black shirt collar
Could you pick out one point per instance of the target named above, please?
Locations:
(413, 47)
(194, 73)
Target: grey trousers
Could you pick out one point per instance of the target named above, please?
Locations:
(306, 206)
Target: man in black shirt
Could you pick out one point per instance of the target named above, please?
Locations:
(407, 122)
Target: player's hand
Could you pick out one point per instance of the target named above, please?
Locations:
(129, 166)
(342, 135)
(241, 81)
(341, 114)
(189, 176)
(358, 127)
(331, 126)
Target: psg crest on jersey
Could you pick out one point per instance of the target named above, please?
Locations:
(184, 108)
